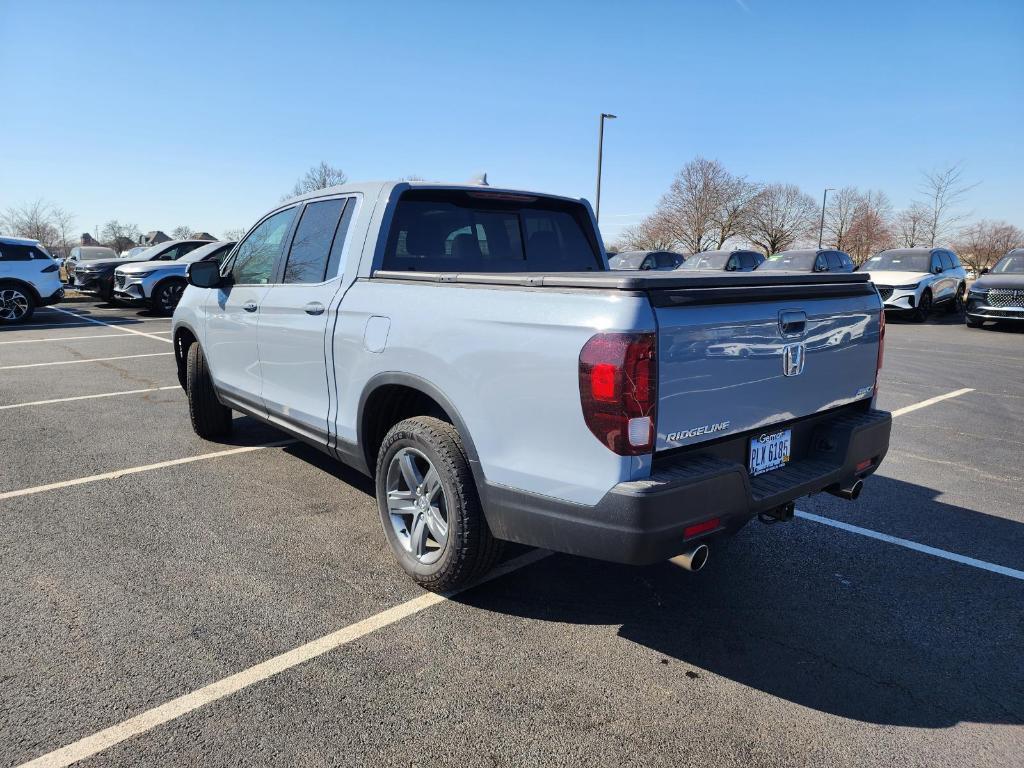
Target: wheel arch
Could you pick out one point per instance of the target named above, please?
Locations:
(184, 338)
(388, 398)
(23, 285)
(163, 281)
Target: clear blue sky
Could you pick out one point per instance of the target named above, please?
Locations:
(204, 114)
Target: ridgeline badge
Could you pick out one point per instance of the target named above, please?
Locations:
(707, 429)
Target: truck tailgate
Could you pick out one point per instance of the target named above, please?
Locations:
(733, 359)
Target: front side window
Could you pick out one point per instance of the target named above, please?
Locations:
(456, 231)
(947, 260)
(666, 260)
(12, 252)
(257, 254)
(311, 246)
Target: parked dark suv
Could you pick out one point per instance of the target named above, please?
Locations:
(809, 260)
(659, 260)
(729, 261)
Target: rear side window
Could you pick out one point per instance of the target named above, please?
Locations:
(11, 252)
(442, 231)
(257, 255)
(954, 259)
(311, 246)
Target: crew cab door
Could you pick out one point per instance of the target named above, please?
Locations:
(233, 311)
(295, 317)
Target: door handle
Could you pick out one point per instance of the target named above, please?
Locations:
(314, 308)
(249, 306)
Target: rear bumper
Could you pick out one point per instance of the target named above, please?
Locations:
(54, 298)
(643, 521)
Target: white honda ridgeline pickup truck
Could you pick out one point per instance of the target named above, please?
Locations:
(468, 348)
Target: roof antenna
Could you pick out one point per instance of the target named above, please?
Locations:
(480, 179)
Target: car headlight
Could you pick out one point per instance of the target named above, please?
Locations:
(911, 287)
(141, 274)
(977, 291)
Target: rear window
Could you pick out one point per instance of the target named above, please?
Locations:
(442, 231)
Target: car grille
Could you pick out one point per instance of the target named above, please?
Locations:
(885, 291)
(119, 280)
(1005, 297)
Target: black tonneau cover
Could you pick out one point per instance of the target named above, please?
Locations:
(667, 288)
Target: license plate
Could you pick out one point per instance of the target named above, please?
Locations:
(770, 450)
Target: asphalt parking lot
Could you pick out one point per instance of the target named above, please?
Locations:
(871, 633)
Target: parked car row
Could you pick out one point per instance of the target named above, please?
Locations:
(911, 281)
(30, 277)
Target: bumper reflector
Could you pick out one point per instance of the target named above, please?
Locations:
(699, 528)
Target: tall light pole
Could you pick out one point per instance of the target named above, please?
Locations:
(821, 225)
(600, 152)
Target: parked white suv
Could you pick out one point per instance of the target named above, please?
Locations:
(29, 278)
(916, 280)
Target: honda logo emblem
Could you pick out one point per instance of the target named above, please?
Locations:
(793, 359)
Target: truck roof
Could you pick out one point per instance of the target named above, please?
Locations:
(374, 188)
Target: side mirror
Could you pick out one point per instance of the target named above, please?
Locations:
(646, 266)
(204, 274)
(937, 270)
(984, 271)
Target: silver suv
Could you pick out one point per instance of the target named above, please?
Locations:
(916, 280)
(161, 283)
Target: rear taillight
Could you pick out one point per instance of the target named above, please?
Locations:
(881, 347)
(619, 390)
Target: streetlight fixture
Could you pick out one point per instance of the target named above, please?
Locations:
(821, 225)
(600, 152)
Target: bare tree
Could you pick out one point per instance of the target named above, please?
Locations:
(119, 236)
(651, 234)
(705, 205)
(943, 190)
(32, 220)
(181, 233)
(870, 230)
(780, 216)
(910, 228)
(234, 234)
(63, 225)
(732, 213)
(318, 177)
(984, 242)
(839, 216)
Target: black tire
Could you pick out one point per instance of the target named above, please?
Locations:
(471, 550)
(166, 296)
(17, 304)
(924, 308)
(956, 306)
(210, 419)
(973, 322)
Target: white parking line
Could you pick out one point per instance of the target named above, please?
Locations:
(111, 325)
(930, 401)
(87, 360)
(71, 338)
(1013, 573)
(135, 470)
(87, 397)
(175, 708)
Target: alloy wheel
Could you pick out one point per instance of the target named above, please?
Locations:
(13, 304)
(170, 296)
(417, 505)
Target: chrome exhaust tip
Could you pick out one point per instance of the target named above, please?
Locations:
(694, 559)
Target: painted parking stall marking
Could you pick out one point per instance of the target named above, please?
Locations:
(145, 468)
(86, 360)
(111, 325)
(1013, 573)
(73, 338)
(175, 708)
(88, 397)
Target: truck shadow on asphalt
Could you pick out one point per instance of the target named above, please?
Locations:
(835, 622)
